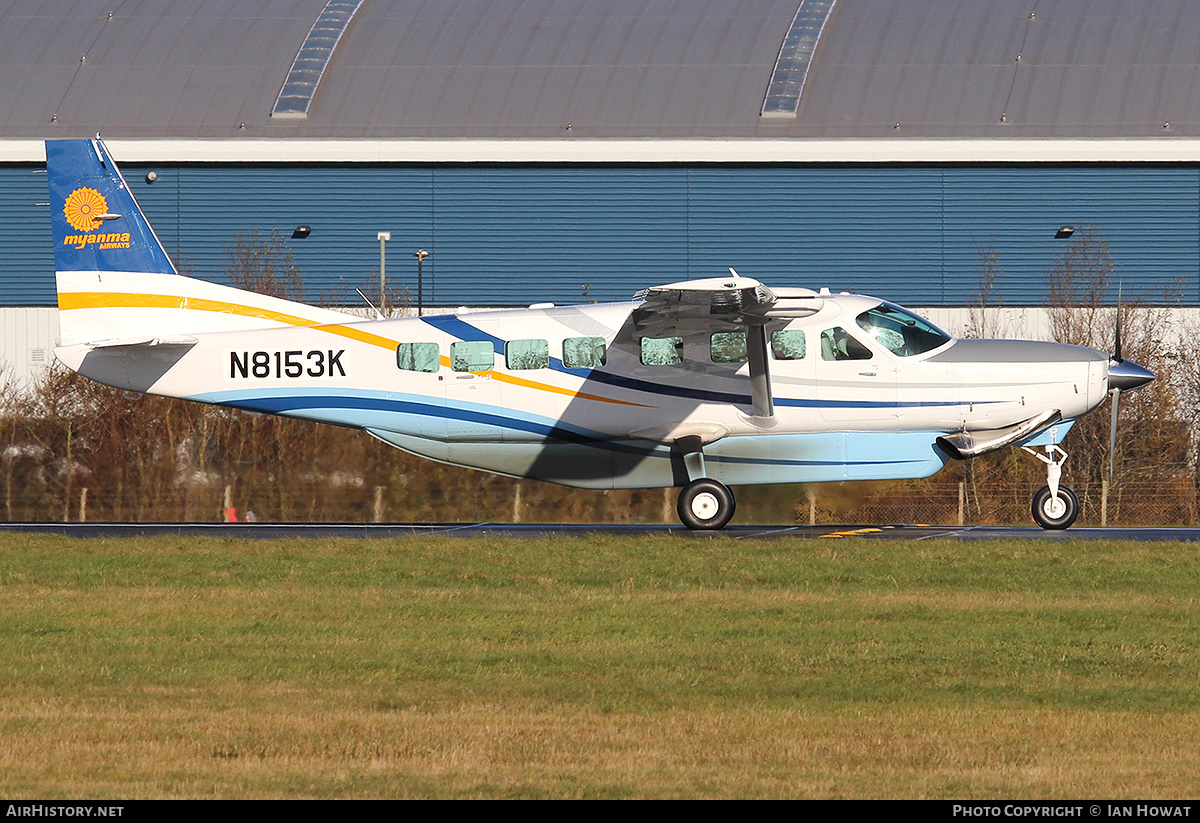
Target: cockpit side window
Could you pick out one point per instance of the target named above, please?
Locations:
(900, 331)
(838, 344)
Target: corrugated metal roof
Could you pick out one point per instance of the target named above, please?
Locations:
(956, 68)
(174, 69)
(607, 69)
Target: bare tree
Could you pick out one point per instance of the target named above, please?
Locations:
(264, 265)
(1150, 449)
(1077, 288)
(981, 322)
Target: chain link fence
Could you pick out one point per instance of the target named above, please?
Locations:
(492, 499)
(1137, 503)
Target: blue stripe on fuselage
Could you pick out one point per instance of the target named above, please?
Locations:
(457, 327)
(341, 409)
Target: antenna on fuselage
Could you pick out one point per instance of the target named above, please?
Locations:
(378, 313)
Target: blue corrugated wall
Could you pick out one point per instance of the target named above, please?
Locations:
(506, 235)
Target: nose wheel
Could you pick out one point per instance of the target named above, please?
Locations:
(1055, 512)
(705, 504)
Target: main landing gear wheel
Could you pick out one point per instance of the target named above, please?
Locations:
(1055, 512)
(706, 504)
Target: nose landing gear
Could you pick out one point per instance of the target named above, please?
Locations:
(1054, 506)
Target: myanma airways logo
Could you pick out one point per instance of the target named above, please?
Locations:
(86, 210)
(83, 209)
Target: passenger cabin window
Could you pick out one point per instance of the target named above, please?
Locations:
(662, 351)
(838, 344)
(728, 347)
(527, 354)
(900, 331)
(787, 344)
(584, 352)
(418, 357)
(471, 355)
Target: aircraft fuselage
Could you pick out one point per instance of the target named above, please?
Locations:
(572, 395)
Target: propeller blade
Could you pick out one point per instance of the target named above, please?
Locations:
(1112, 433)
(1117, 345)
(1117, 348)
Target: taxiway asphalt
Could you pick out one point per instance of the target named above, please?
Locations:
(534, 531)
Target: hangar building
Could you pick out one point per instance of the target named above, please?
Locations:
(579, 150)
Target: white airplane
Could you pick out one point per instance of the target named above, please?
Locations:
(699, 385)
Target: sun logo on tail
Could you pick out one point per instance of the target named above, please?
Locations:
(83, 209)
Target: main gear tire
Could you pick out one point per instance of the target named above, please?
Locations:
(706, 505)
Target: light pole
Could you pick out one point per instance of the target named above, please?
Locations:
(383, 236)
(420, 254)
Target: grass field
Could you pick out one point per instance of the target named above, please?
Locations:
(600, 667)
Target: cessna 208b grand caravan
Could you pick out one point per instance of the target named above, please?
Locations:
(699, 385)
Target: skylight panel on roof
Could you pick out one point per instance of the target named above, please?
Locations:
(316, 51)
(795, 58)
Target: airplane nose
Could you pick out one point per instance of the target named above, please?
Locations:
(1127, 375)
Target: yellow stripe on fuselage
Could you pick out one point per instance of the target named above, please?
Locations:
(68, 301)
(530, 384)
(127, 300)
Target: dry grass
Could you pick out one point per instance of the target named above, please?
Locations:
(276, 743)
(591, 668)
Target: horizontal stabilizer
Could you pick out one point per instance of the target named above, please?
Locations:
(131, 366)
(124, 343)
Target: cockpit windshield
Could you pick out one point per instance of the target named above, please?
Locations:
(900, 331)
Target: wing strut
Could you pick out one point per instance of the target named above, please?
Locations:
(760, 371)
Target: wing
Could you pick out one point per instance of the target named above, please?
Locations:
(697, 306)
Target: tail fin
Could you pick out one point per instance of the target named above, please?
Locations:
(115, 280)
(98, 226)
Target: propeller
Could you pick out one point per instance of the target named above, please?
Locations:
(1123, 375)
(1112, 432)
(1117, 361)
(1117, 358)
